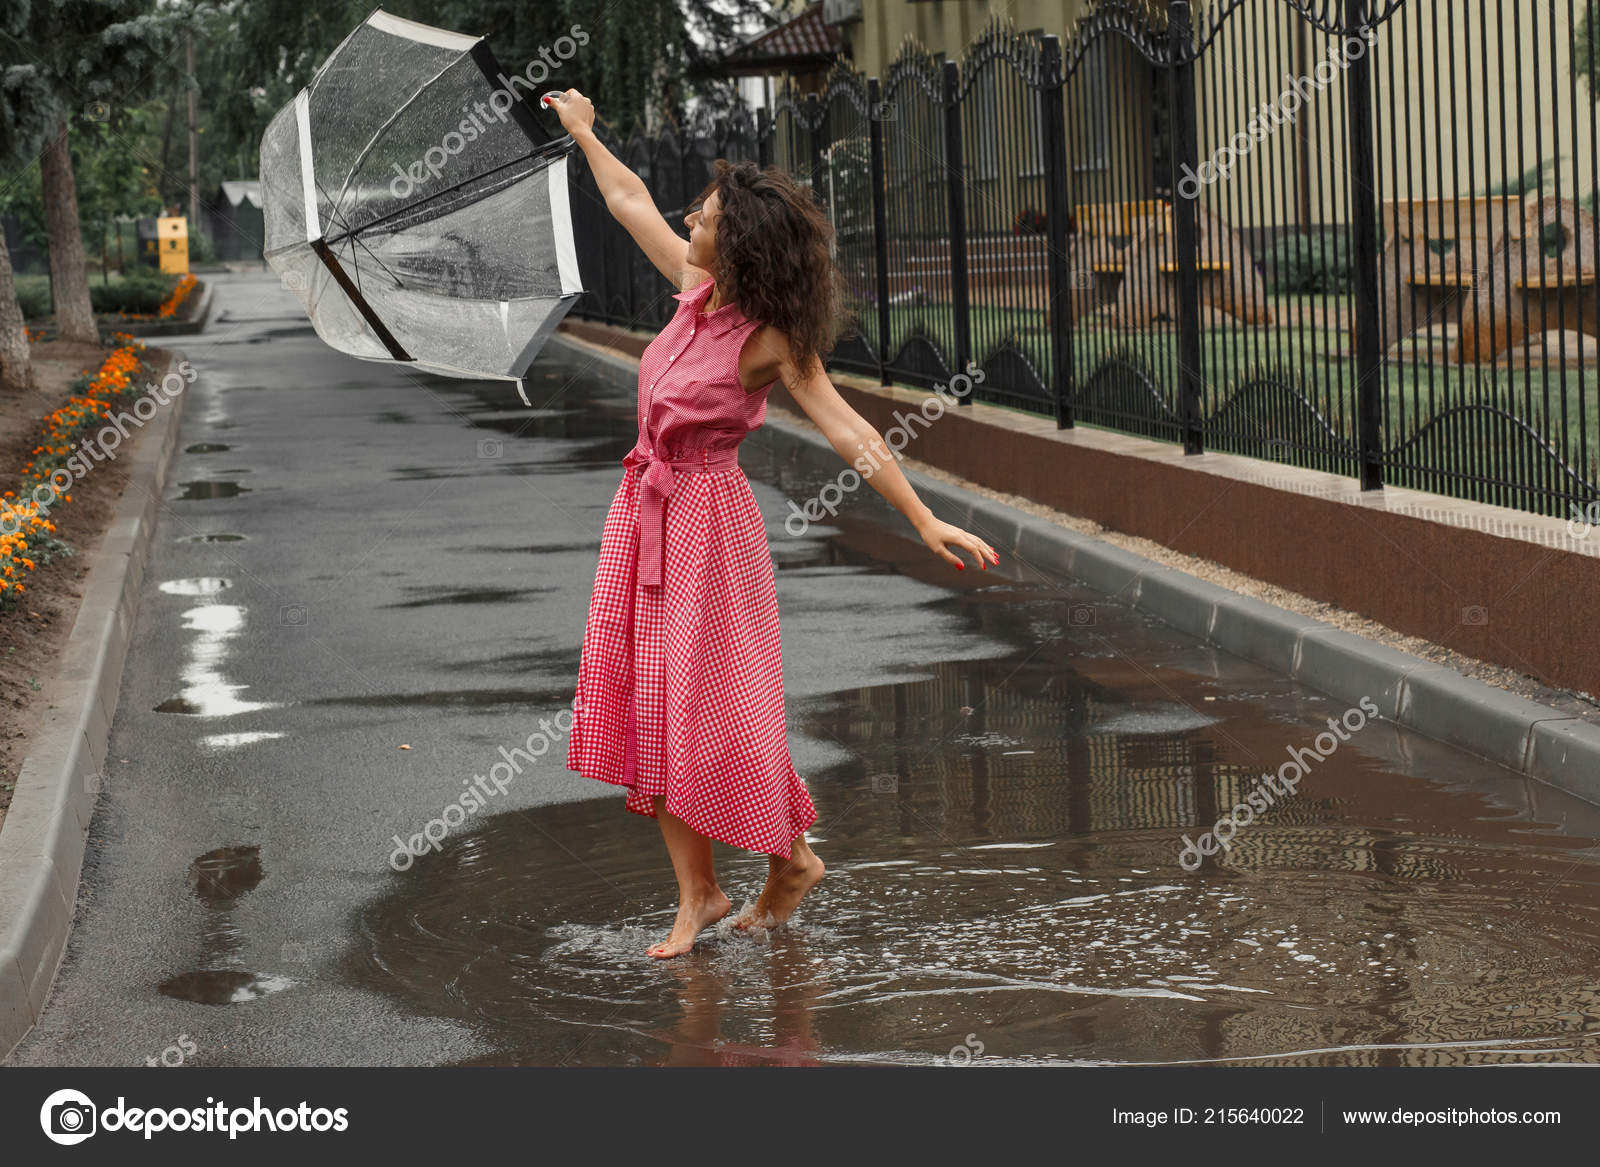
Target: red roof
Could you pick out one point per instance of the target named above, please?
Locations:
(804, 42)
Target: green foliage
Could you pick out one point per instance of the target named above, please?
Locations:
(113, 176)
(1316, 262)
(19, 197)
(201, 248)
(252, 58)
(34, 299)
(140, 292)
(1524, 184)
(28, 111)
(1586, 49)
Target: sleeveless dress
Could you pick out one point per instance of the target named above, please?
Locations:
(680, 684)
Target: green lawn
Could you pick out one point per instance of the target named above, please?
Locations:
(1421, 383)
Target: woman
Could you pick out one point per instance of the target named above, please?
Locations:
(680, 685)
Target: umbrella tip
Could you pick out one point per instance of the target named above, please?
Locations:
(523, 395)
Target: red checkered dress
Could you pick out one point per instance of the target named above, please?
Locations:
(680, 687)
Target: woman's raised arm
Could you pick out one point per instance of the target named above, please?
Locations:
(627, 197)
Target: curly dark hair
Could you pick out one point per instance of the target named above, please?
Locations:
(775, 257)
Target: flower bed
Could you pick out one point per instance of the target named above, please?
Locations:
(27, 536)
(179, 295)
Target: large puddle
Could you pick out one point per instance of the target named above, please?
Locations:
(1006, 886)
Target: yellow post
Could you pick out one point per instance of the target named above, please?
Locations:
(173, 235)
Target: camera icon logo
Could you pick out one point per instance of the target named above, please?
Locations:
(292, 615)
(885, 784)
(490, 448)
(68, 1117)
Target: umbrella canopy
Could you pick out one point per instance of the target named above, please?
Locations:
(417, 206)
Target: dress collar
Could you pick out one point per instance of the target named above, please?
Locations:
(716, 322)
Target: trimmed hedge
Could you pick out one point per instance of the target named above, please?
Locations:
(136, 294)
(1316, 262)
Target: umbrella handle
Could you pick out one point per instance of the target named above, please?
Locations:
(554, 95)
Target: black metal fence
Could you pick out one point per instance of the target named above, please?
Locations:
(1352, 235)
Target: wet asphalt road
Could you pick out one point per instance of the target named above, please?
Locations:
(350, 560)
(411, 571)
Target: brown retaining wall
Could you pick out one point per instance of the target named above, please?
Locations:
(1506, 587)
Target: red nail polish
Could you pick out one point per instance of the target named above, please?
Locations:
(961, 567)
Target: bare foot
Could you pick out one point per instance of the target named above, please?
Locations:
(787, 883)
(693, 915)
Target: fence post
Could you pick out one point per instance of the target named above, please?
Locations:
(1364, 253)
(816, 118)
(1186, 231)
(764, 128)
(1054, 131)
(880, 221)
(955, 181)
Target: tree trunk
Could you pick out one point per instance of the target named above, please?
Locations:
(69, 269)
(16, 365)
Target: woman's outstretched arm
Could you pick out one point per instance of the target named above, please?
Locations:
(627, 197)
(854, 440)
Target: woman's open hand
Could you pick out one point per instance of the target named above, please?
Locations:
(940, 536)
(574, 109)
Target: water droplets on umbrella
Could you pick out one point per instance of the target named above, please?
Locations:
(418, 206)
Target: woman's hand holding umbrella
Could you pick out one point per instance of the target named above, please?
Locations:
(574, 109)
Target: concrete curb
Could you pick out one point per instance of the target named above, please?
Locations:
(42, 839)
(1434, 700)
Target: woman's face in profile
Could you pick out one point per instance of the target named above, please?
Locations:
(702, 223)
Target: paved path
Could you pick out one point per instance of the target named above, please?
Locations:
(405, 561)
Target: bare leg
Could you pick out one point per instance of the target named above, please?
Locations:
(700, 900)
(788, 880)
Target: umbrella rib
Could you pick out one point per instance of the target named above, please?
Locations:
(357, 240)
(412, 208)
(361, 243)
(378, 133)
(333, 210)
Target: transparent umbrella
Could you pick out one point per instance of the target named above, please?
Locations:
(417, 205)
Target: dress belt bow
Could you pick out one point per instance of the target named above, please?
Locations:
(655, 487)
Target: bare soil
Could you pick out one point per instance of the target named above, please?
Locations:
(34, 634)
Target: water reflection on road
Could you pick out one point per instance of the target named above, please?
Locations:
(1005, 886)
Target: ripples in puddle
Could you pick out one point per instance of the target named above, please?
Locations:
(1031, 903)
